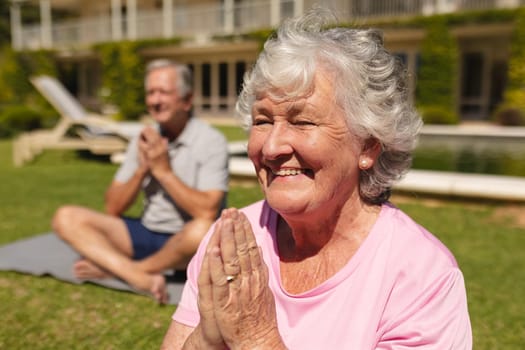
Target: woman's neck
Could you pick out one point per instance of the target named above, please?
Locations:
(302, 238)
(312, 253)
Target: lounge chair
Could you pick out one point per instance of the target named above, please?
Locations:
(77, 129)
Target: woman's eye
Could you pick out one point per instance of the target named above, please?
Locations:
(304, 123)
(261, 121)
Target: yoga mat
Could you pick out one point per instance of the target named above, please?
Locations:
(46, 254)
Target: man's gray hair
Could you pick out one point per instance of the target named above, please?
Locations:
(184, 81)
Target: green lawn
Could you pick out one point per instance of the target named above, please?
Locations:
(233, 132)
(42, 313)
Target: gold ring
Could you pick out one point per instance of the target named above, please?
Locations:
(230, 278)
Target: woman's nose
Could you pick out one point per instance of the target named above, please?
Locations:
(278, 141)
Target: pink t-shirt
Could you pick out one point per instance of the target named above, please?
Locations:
(402, 289)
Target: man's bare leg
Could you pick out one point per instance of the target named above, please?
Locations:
(157, 288)
(84, 269)
(105, 244)
(154, 283)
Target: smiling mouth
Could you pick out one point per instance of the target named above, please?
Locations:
(289, 172)
(156, 108)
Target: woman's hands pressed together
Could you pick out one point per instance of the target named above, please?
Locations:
(236, 305)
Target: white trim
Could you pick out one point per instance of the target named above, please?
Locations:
(131, 19)
(116, 20)
(167, 18)
(45, 24)
(16, 25)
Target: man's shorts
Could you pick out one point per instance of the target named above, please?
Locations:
(145, 242)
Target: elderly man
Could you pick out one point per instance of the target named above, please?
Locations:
(181, 166)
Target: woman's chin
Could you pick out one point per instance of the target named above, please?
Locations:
(284, 204)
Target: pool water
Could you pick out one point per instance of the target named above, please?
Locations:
(471, 160)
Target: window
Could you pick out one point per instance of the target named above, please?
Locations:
(472, 77)
(240, 69)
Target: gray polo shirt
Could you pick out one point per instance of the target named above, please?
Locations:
(199, 157)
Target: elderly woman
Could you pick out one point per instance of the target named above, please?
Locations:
(325, 261)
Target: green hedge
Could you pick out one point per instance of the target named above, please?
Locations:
(437, 76)
(123, 78)
(509, 115)
(451, 19)
(512, 110)
(15, 119)
(438, 115)
(15, 70)
(22, 108)
(123, 74)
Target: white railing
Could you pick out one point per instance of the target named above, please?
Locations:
(365, 9)
(149, 25)
(362, 9)
(199, 22)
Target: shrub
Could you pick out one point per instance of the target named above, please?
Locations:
(16, 68)
(509, 116)
(123, 78)
(437, 75)
(513, 107)
(438, 115)
(15, 119)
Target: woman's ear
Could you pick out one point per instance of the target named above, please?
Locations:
(369, 154)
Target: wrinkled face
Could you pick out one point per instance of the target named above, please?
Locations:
(162, 99)
(305, 157)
